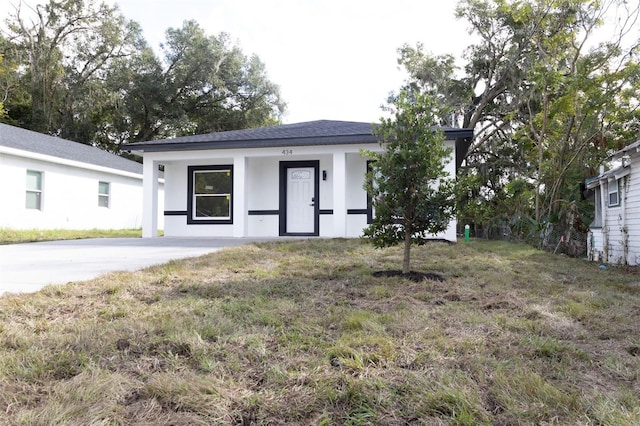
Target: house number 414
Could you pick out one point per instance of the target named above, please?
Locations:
(287, 152)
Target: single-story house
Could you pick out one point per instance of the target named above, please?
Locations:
(303, 179)
(53, 183)
(614, 235)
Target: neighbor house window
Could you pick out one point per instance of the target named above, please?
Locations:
(104, 192)
(210, 194)
(34, 190)
(614, 193)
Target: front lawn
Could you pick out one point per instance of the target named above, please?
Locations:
(13, 236)
(300, 332)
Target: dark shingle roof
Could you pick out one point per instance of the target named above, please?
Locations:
(321, 132)
(27, 140)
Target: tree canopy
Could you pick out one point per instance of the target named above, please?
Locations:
(84, 72)
(548, 100)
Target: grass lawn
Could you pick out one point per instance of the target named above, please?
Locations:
(300, 332)
(13, 236)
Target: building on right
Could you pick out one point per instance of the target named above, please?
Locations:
(614, 235)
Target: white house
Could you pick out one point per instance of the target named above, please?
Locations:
(301, 179)
(614, 235)
(53, 183)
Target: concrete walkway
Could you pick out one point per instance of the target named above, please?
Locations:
(29, 267)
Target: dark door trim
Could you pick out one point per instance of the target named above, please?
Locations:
(284, 166)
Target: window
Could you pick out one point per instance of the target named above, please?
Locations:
(104, 191)
(614, 193)
(210, 194)
(34, 190)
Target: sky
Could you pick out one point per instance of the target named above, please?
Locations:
(333, 59)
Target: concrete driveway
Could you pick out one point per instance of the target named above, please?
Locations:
(29, 267)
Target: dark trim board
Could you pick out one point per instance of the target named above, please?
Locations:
(326, 211)
(284, 166)
(175, 213)
(264, 212)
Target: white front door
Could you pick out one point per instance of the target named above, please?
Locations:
(301, 200)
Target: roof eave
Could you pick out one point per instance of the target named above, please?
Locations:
(170, 145)
(252, 143)
(634, 147)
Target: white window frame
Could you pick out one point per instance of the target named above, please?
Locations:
(39, 192)
(613, 188)
(192, 217)
(104, 195)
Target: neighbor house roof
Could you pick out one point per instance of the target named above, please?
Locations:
(38, 143)
(634, 147)
(321, 132)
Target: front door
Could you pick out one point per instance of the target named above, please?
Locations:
(299, 198)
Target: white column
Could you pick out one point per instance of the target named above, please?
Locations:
(339, 194)
(149, 198)
(239, 196)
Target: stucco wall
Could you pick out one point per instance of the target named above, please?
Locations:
(262, 186)
(70, 197)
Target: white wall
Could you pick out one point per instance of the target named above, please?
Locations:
(263, 185)
(631, 197)
(622, 223)
(70, 197)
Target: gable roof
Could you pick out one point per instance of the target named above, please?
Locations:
(27, 140)
(320, 132)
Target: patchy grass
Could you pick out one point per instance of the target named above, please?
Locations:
(300, 332)
(13, 236)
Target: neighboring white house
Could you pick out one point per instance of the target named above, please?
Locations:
(614, 235)
(53, 183)
(303, 179)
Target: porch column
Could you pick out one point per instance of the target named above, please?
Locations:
(240, 192)
(339, 194)
(149, 198)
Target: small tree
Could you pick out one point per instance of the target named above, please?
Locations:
(410, 189)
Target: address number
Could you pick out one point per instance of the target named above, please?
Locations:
(287, 152)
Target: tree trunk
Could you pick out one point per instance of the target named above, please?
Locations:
(406, 262)
(542, 135)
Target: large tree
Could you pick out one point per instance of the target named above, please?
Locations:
(201, 84)
(411, 191)
(547, 100)
(66, 47)
(85, 73)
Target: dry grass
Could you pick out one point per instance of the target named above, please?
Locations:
(299, 332)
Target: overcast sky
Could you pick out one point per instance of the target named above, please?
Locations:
(333, 59)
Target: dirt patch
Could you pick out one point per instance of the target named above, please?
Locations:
(633, 350)
(414, 276)
(499, 304)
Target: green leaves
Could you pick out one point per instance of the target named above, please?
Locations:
(84, 72)
(412, 194)
(547, 101)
